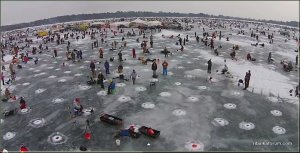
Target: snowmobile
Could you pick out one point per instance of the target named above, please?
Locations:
(111, 119)
(144, 130)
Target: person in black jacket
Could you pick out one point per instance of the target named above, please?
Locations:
(100, 80)
(154, 68)
(93, 67)
(209, 63)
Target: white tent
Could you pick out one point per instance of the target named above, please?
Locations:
(137, 23)
(97, 23)
(116, 24)
(154, 23)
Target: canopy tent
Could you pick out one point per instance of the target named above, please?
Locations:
(120, 24)
(154, 23)
(98, 24)
(137, 23)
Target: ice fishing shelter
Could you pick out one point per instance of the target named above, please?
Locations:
(43, 33)
(98, 24)
(154, 24)
(285, 33)
(120, 24)
(83, 26)
(138, 23)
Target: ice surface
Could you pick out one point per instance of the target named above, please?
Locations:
(191, 113)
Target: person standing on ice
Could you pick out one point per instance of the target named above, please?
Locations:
(106, 65)
(22, 103)
(269, 57)
(165, 67)
(2, 78)
(93, 67)
(80, 54)
(55, 53)
(100, 53)
(133, 53)
(248, 57)
(209, 64)
(133, 76)
(36, 60)
(297, 57)
(247, 79)
(120, 56)
(154, 68)
(101, 79)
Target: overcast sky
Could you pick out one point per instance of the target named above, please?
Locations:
(13, 12)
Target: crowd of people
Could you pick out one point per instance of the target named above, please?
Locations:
(97, 77)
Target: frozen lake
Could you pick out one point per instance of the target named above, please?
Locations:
(189, 112)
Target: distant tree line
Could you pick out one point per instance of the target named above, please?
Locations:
(120, 14)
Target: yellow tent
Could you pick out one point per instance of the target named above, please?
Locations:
(83, 26)
(42, 33)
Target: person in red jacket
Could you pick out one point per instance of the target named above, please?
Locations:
(26, 59)
(133, 53)
(23, 148)
(165, 66)
(22, 103)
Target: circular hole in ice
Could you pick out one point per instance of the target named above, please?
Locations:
(58, 69)
(180, 67)
(38, 91)
(57, 100)
(194, 146)
(220, 122)
(246, 126)
(37, 123)
(276, 113)
(120, 84)
(9, 135)
(179, 112)
(84, 87)
(81, 67)
(57, 138)
(148, 105)
(278, 130)
(102, 93)
(177, 83)
(165, 94)
(229, 106)
(193, 99)
(124, 98)
(140, 89)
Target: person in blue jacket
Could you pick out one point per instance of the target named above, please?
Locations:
(106, 65)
